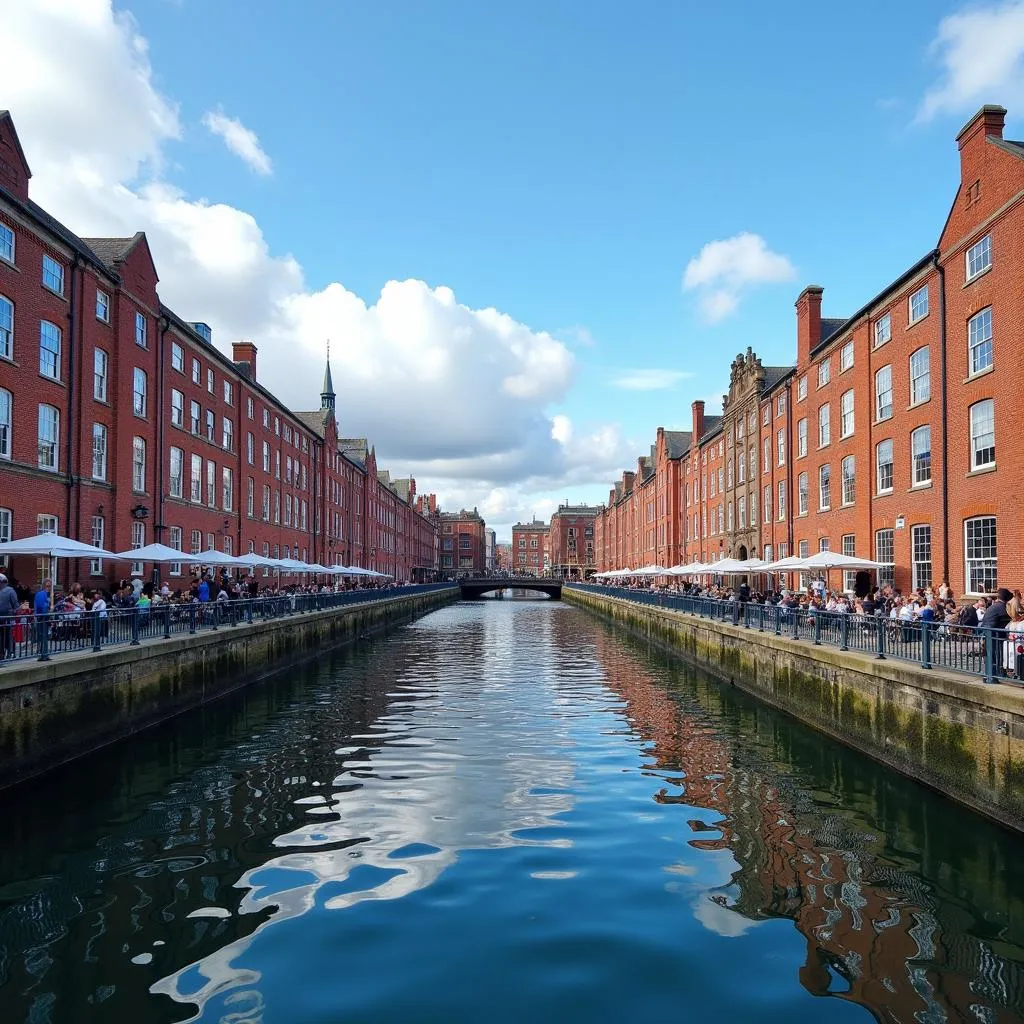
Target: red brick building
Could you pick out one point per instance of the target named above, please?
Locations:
(570, 540)
(463, 543)
(122, 424)
(530, 554)
(882, 439)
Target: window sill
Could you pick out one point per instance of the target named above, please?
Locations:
(846, 437)
(981, 373)
(10, 264)
(103, 320)
(878, 423)
(59, 295)
(827, 508)
(884, 494)
(920, 487)
(918, 404)
(822, 447)
(920, 320)
(52, 380)
(848, 504)
(9, 359)
(977, 276)
(982, 470)
(876, 345)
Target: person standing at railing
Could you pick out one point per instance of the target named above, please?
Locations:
(8, 609)
(1013, 647)
(41, 608)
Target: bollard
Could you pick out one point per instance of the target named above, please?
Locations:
(880, 638)
(167, 621)
(44, 637)
(95, 632)
(817, 627)
(844, 632)
(926, 644)
(990, 655)
(135, 626)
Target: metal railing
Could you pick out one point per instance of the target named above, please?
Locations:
(40, 637)
(993, 655)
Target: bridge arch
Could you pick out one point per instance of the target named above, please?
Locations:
(475, 588)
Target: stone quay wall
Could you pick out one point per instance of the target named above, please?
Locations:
(957, 735)
(52, 712)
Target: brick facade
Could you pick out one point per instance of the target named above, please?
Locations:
(121, 423)
(530, 548)
(882, 439)
(463, 543)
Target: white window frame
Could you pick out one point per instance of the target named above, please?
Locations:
(100, 436)
(138, 465)
(978, 258)
(176, 484)
(824, 487)
(8, 244)
(801, 438)
(824, 371)
(100, 374)
(55, 271)
(917, 305)
(824, 425)
(141, 330)
(56, 335)
(803, 495)
(980, 563)
(920, 467)
(883, 330)
(979, 342)
(140, 390)
(879, 488)
(848, 475)
(177, 358)
(920, 376)
(49, 447)
(174, 540)
(6, 328)
(920, 577)
(6, 423)
(846, 414)
(801, 388)
(883, 388)
(846, 357)
(177, 408)
(982, 420)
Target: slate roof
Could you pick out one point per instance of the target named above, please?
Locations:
(774, 375)
(829, 326)
(1015, 148)
(355, 448)
(402, 488)
(677, 443)
(712, 425)
(316, 421)
(112, 251)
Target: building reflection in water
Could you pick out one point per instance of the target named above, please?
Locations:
(875, 934)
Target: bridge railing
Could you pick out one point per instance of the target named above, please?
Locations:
(993, 655)
(41, 637)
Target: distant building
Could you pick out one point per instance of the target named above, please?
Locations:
(503, 557)
(490, 543)
(571, 540)
(463, 543)
(530, 547)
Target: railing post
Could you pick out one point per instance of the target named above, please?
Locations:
(167, 621)
(760, 618)
(191, 618)
(926, 644)
(817, 627)
(216, 614)
(248, 611)
(135, 626)
(44, 637)
(990, 655)
(796, 623)
(880, 624)
(844, 632)
(96, 632)
(746, 616)
(777, 612)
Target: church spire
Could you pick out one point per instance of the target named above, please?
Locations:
(327, 392)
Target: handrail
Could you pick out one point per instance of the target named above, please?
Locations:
(993, 655)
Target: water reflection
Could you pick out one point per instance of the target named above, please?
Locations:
(526, 810)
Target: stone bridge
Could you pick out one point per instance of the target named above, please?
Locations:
(473, 588)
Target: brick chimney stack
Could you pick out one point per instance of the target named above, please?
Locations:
(697, 409)
(244, 352)
(986, 122)
(808, 323)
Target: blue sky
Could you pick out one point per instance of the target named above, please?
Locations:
(562, 162)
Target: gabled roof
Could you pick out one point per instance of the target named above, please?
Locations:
(316, 421)
(5, 115)
(402, 487)
(1008, 146)
(677, 443)
(712, 426)
(355, 448)
(829, 326)
(774, 375)
(112, 250)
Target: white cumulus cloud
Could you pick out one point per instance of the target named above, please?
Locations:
(724, 269)
(981, 52)
(650, 379)
(242, 141)
(459, 397)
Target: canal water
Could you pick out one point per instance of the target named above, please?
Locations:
(505, 811)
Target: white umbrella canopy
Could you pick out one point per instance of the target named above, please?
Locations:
(791, 563)
(836, 560)
(734, 566)
(649, 570)
(156, 553)
(53, 545)
(209, 557)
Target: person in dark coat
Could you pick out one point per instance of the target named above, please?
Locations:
(8, 607)
(997, 617)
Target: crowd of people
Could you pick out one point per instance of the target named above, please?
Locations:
(937, 605)
(23, 608)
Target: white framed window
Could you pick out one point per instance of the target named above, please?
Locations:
(45, 524)
(781, 444)
(227, 489)
(767, 460)
(824, 488)
(767, 505)
(728, 519)
(195, 492)
(177, 472)
(138, 465)
(983, 434)
(849, 473)
(824, 372)
(49, 438)
(53, 275)
(211, 484)
(6, 328)
(102, 306)
(6, 244)
(801, 438)
(766, 414)
(227, 434)
(99, 375)
(920, 376)
(6, 422)
(801, 388)
(266, 503)
(802, 494)
(883, 464)
(229, 393)
(197, 372)
(978, 258)
(248, 408)
(177, 408)
(824, 544)
(883, 329)
(824, 425)
(139, 389)
(250, 498)
(195, 417)
(211, 424)
(918, 304)
(883, 393)
(138, 541)
(885, 551)
(99, 451)
(846, 357)
(741, 512)
(979, 341)
(174, 541)
(266, 418)
(921, 455)
(780, 404)
(141, 338)
(846, 414)
(49, 349)
(921, 556)
(753, 508)
(177, 358)
(97, 528)
(250, 448)
(849, 545)
(266, 456)
(211, 384)
(981, 569)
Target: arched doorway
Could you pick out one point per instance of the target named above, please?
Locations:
(742, 553)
